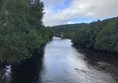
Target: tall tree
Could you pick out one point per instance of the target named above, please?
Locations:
(21, 29)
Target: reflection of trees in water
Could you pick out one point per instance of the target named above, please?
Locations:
(6, 77)
(28, 71)
(5, 73)
(101, 60)
(96, 56)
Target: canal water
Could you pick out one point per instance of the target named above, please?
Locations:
(62, 63)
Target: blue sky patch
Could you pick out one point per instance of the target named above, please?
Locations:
(61, 6)
(82, 20)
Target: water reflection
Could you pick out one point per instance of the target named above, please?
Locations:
(62, 63)
(28, 71)
(5, 74)
(101, 60)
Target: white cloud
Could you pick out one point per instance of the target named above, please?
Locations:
(49, 3)
(97, 9)
(69, 22)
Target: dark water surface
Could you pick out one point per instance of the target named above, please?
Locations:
(62, 63)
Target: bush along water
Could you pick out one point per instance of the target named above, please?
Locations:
(21, 30)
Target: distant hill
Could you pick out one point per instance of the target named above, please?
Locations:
(68, 28)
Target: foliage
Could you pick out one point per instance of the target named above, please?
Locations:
(67, 29)
(21, 29)
(107, 39)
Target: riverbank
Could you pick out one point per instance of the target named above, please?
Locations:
(37, 53)
(101, 60)
(106, 51)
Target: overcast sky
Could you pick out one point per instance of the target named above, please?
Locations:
(76, 11)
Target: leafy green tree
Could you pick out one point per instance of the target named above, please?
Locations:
(107, 38)
(21, 29)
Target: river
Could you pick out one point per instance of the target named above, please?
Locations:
(62, 63)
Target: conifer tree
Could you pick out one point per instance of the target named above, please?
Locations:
(21, 29)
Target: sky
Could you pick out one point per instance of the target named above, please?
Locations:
(58, 12)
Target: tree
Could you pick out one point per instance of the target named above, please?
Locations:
(21, 29)
(107, 38)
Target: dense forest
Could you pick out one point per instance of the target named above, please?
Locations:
(21, 29)
(67, 28)
(100, 35)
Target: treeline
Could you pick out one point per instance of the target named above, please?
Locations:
(67, 28)
(100, 35)
(21, 29)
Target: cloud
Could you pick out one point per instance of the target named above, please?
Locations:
(95, 9)
(69, 22)
(49, 3)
